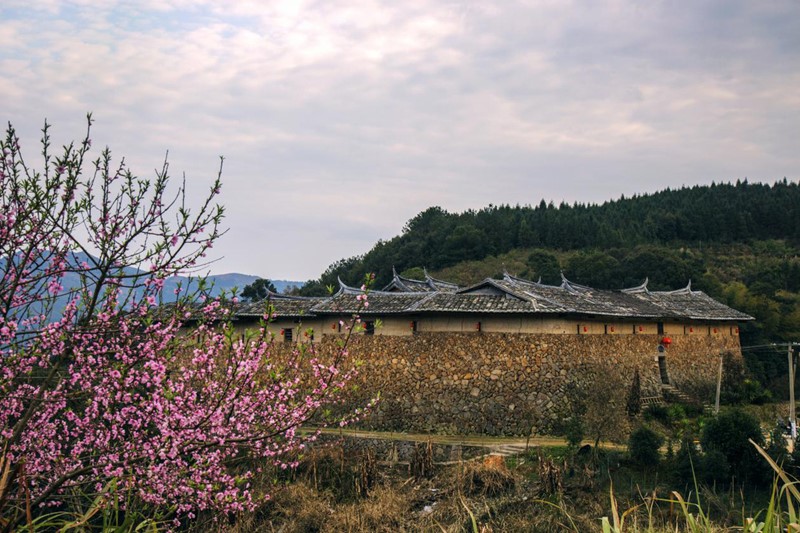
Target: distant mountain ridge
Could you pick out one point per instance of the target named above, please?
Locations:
(215, 285)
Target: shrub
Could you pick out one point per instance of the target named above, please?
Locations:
(644, 445)
(659, 413)
(714, 466)
(777, 445)
(688, 462)
(574, 431)
(728, 434)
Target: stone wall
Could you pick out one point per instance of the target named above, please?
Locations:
(502, 383)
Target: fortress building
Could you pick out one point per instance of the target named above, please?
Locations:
(495, 356)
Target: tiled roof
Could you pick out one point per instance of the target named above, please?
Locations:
(380, 302)
(281, 306)
(473, 303)
(508, 295)
(637, 302)
(695, 305)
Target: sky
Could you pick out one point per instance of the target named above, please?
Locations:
(341, 120)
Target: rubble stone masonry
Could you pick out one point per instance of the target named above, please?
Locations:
(504, 383)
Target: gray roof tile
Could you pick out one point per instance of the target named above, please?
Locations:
(508, 295)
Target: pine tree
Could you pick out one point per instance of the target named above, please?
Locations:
(633, 406)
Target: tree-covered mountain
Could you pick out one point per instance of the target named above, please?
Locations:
(738, 242)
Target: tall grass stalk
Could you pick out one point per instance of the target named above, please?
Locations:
(776, 519)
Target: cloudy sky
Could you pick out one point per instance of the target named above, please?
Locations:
(340, 120)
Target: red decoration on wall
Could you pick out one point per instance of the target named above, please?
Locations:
(641, 328)
(585, 329)
(666, 341)
(283, 332)
(477, 326)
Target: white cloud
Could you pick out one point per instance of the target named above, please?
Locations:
(340, 120)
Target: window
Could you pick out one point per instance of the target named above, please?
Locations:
(369, 327)
(287, 335)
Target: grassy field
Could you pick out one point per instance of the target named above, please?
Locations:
(551, 488)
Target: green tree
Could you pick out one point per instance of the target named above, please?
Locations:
(633, 404)
(258, 290)
(545, 264)
(595, 269)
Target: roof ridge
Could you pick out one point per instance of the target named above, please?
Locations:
(638, 288)
(685, 290)
(573, 287)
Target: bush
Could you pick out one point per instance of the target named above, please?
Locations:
(659, 413)
(714, 467)
(688, 462)
(728, 434)
(777, 446)
(644, 445)
(573, 432)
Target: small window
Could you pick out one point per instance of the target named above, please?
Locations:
(413, 326)
(369, 327)
(287, 335)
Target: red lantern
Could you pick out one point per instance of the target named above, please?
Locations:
(666, 341)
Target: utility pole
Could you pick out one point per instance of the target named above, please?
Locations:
(719, 385)
(792, 412)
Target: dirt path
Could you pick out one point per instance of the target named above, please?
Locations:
(501, 445)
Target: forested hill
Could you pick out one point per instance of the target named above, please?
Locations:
(698, 216)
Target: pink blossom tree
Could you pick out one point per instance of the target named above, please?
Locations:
(100, 387)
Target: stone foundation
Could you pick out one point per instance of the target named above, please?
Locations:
(505, 383)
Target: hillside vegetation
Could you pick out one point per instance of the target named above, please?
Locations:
(738, 242)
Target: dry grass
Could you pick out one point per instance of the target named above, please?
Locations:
(486, 477)
(338, 491)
